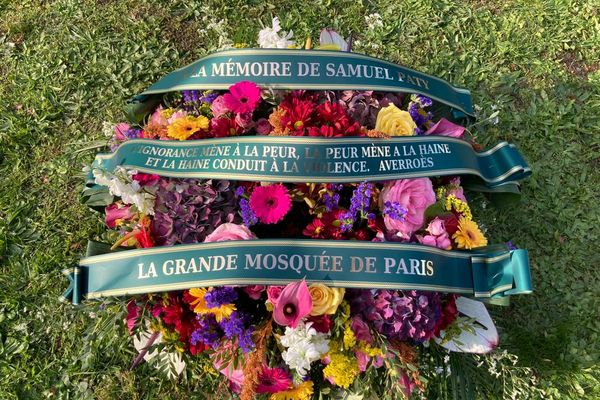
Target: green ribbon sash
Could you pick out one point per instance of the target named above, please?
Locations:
(302, 69)
(484, 273)
(305, 159)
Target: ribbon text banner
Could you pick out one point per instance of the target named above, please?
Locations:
(353, 264)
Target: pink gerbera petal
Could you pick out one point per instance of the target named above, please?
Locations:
(270, 203)
(243, 97)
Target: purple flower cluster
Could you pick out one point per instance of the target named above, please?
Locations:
(403, 315)
(219, 296)
(235, 328)
(187, 210)
(416, 110)
(208, 332)
(194, 96)
(360, 202)
(394, 210)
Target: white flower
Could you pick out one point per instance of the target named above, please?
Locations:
(303, 346)
(122, 184)
(373, 21)
(270, 38)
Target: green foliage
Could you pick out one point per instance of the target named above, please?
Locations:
(68, 66)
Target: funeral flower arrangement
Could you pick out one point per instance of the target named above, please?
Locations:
(301, 339)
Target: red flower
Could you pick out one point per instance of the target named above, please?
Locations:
(315, 229)
(273, 380)
(321, 323)
(297, 116)
(223, 127)
(144, 235)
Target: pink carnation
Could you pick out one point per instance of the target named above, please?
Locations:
(270, 203)
(413, 194)
(229, 231)
(243, 97)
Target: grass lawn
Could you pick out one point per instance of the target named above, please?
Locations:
(68, 66)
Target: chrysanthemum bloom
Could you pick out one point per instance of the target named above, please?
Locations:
(183, 128)
(273, 380)
(270, 203)
(468, 236)
(243, 97)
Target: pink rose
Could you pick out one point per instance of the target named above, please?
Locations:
(446, 128)
(218, 107)
(413, 194)
(244, 120)
(273, 293)
(120, 130)
(263, 127)
(438, 236)
(229, 231)
(254, 291)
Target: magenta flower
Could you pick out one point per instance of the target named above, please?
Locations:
(294, 303)
(254, 291)
(270, 203)
(273, 380)
(243, 97)
(446, 128)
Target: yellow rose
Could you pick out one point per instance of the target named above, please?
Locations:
(395, 122)
(325, 299)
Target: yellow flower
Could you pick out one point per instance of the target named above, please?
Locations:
(468, 236)
(184, 127)
(200, 307)
(325, 299)
(301, 392)
(395, 122)
(341, 369)
(349, 337)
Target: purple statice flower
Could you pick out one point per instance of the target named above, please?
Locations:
(511, 246)
(403, 315)
(359, 203)
(331, 200)
(133, 133)
(394, 210)
(416, 109)
(209, 332)
(190, 96)
(235, 327)
(188, 210)
(220, 295)
(208, 97)
(239, 191)
(247, 214)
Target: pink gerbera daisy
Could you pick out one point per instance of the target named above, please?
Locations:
(270, 203)
(273, 380)
(242, 97)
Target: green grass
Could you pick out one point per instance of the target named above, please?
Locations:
(66, 67)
